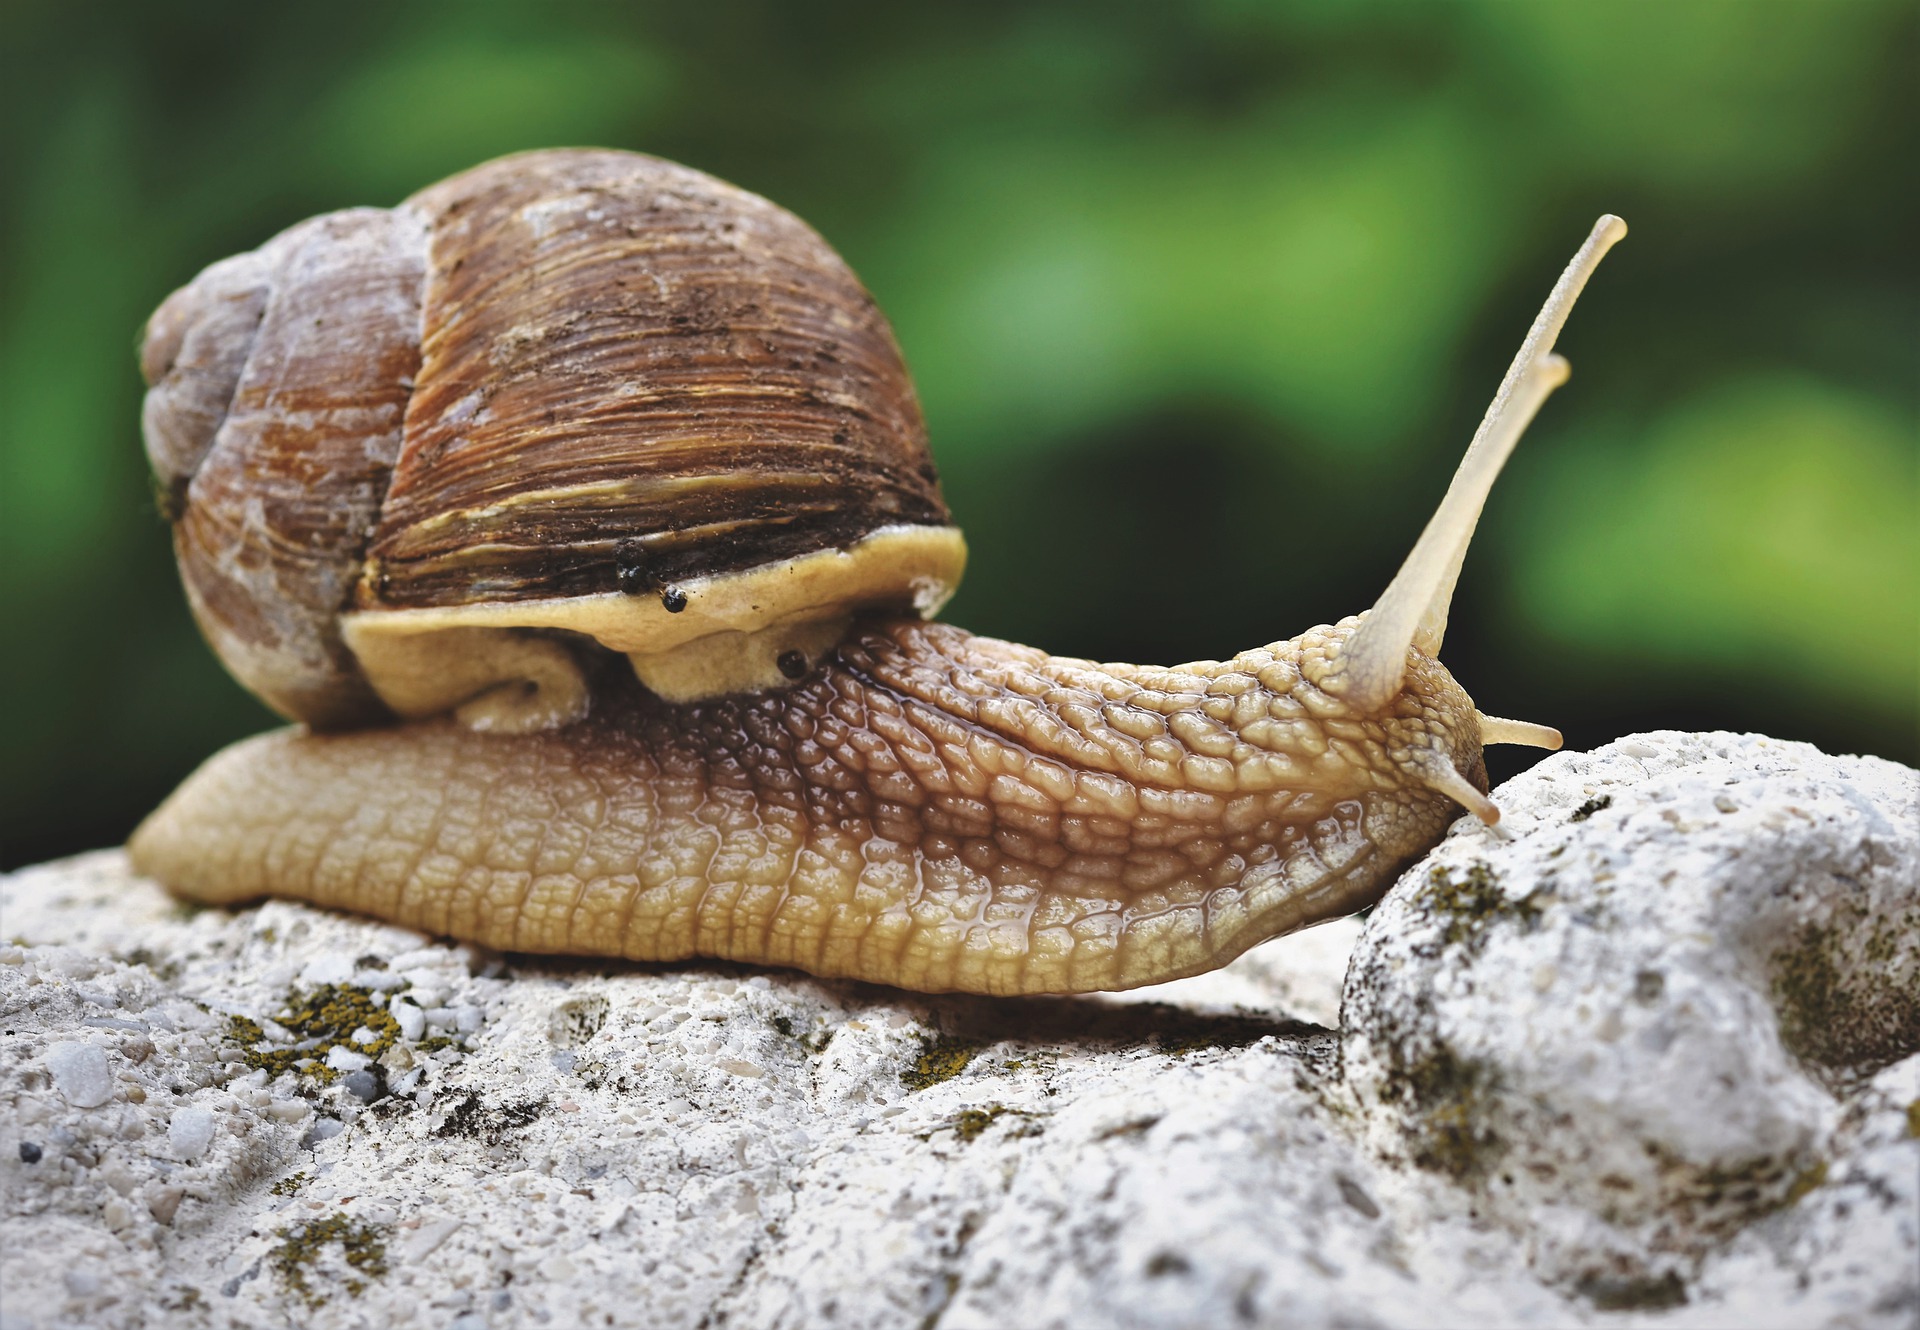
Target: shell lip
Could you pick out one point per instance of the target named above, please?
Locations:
(902, 567)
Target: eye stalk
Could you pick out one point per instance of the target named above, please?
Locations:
(1411, 614)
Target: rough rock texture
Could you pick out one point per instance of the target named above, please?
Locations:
(1652, 1058)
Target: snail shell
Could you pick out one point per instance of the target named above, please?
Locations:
(417, 456)
(448, 460)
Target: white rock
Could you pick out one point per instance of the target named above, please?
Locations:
(116, 1214)
(345, 1059)
(80, 1073)
(191, 1132)
(411, 1020)
(327, 968)
(1652, 1004)
(323, 1129)
(1655, 1065)
(426, 992)
(418, 961)
(163, 1203)
(73, 964)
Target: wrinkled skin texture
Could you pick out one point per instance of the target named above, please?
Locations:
(928, 809)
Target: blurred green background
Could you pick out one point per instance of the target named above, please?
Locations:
(1203, 300)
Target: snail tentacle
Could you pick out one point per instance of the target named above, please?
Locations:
(1497, 730)
(1412, 611)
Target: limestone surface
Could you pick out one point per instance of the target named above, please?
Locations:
(1649, 1055)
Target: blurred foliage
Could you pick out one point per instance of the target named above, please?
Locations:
(1204, 301)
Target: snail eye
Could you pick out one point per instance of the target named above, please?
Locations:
(792, 664)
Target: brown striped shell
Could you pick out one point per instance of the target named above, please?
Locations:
(416, 457)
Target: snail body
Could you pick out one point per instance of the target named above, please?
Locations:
(709, 716)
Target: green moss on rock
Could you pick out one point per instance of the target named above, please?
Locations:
(471, 1118)
(1839, 1005)
(1473, 902)
(1450, 1094)
(1807, 1181)
(973, 1121)
(1590, 807)
(1448, 1100)
(940, 1059)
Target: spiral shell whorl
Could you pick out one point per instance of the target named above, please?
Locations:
(194, 348)
(313, 341)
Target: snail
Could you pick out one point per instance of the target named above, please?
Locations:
(580, 511)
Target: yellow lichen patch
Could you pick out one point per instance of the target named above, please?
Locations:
(363, 1246)
(973, 1121)
(1806, 1181)
(320, 1022)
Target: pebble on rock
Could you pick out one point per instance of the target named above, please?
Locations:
(323, 1129)
(332, 968)
(163, 1203)
(411, 1020)
(341, 1058)
(80, 1073)
(191, 1132)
